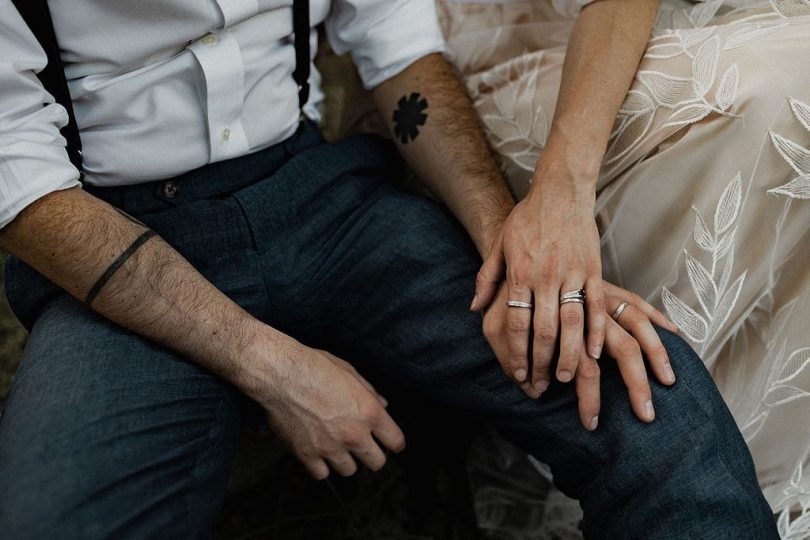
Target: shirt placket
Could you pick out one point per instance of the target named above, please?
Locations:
(220, 59)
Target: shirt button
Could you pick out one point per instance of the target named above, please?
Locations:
(226, 134)
(170, 189)
(210, 39)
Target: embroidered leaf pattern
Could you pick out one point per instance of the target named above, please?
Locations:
(727, 91)
(750, 33)
(716, 299)
(795, 155)
(663, 51)
(688, 114)
(665, 89)
(729, 206)
(685, 318)
(704, 67)
(702, 283)
(703, 237)
(795, 365)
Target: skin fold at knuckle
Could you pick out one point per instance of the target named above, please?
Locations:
(517, 325)
(571, 318)
(628, 346)
(545, 334)
(589, 371)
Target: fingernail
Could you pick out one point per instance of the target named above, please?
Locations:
(474, 303)
(596, 352)
(565, 375)
(383, 401)
(520, 374)
(649, 412)
(594, 422)
(669, 375)
(541, 385)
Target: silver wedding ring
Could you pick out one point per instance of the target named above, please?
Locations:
(577, 296)
(518, 303)
(620, 310)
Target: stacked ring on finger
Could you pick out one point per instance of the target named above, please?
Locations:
(577, 296)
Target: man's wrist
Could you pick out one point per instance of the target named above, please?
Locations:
(491, 223)
(258, 364)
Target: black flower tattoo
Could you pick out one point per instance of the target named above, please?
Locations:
(408, 116)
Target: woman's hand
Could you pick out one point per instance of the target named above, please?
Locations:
(549, 245)
(627, 340)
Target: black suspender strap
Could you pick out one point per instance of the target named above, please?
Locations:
(37, 16)
(301, 30)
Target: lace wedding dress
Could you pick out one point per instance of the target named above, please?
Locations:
(703, 196)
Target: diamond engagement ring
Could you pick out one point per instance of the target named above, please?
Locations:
(518, 303)
(620, 310)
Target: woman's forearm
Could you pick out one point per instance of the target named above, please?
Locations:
(608, 41)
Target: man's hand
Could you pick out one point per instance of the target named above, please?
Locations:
(316, 402)
(322, 408)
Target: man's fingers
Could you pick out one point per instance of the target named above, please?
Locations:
(368, 386)
(518, 332)
(388, 433)
(595, 310)
(637, 323)
(625, 349)
(488, 278)
(370, 455)
(546, 325)
(343, 463)
(587, 381)
(317, 468)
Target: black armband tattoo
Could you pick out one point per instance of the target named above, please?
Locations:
(408, 116)
(116, 264)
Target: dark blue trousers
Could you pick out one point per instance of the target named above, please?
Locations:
(108, 435)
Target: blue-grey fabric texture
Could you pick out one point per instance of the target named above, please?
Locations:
(107, 435)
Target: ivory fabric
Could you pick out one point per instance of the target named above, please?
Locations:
(703, 196)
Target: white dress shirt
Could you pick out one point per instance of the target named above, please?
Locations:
(160, 88)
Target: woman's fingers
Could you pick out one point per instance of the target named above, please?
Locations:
(489, 277)
(638, 324)
(625, 349)
(595, 309)
(655, 316)
(588, 377)
(572, 328)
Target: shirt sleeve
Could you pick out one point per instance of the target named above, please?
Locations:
(384, 36)
(33, 158)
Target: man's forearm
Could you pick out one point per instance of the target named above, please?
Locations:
(130, 276)
(437, 131)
